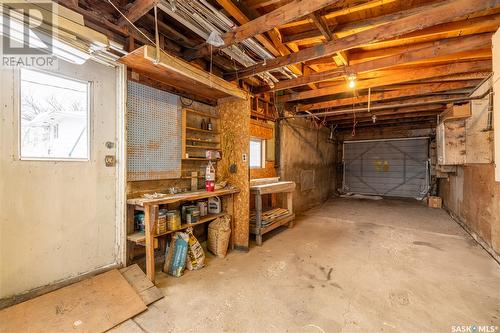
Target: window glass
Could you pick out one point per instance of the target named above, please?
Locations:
(54, 117)
(256, 153)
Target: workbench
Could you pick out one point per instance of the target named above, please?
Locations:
(275, 217)
(151, 208)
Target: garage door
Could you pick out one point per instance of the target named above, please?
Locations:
(397, 168)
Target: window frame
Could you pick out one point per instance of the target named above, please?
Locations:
(19, 117)
(262, 153)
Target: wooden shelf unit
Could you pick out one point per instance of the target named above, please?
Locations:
(285, 187)
(191, 133)
(151, 208)
(139, 237)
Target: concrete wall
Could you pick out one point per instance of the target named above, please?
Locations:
(305, 146)
(58, 219)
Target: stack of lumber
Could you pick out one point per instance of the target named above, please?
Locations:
(269, 216)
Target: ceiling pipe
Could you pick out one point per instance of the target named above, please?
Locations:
(394, 106)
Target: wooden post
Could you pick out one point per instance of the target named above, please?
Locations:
(258, 218)
(289, 206)
(150, 216)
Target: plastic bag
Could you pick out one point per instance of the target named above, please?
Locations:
(195, 254)
(176, 254)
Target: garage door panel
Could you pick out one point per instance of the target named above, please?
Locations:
(391, 168)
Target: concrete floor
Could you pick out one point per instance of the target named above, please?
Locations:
(350, 265)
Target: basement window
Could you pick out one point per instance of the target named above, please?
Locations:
(257, 153)
(54, 117)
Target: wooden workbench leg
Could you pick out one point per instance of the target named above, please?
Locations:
(258, 219)
(289, 206)
(231, 209)
(150, 215)
(130, 229)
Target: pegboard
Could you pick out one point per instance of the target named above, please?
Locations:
(154, 133)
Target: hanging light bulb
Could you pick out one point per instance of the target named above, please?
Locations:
(351, 81)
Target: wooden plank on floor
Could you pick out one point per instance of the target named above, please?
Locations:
(141, 284)
(93, 305)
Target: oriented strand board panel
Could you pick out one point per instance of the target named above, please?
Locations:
(153, 134)
(235, 129)
(93, 305)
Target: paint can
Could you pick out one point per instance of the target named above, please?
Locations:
(173, 220)
(203, 208)
(139, 221)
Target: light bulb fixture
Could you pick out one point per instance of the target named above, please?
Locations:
(351, 81)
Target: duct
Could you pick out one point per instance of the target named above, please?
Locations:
(394, 106)
(202, 18)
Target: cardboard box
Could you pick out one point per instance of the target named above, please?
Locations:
(434, 202)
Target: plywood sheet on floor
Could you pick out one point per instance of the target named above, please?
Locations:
(148, 292)
(93, 305)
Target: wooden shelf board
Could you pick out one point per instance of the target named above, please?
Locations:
(277, 223)
(201, 113)
(199, 159)
(181, 74)
(203, 147)
(202, 130)
(140, 238)
(201, 140)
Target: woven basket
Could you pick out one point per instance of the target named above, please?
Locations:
(219, 233)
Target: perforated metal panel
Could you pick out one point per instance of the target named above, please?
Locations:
(154, 133)
(396, 168)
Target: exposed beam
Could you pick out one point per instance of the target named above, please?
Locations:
(346, 112)
(349, 9)
(264, 3)
(411, 54)
(321, 25)
(427, 16)
(396, 116)
(274, 46)
(398, 76)
(463, 26)
(138, 9)
(264, 23)
(386, 95)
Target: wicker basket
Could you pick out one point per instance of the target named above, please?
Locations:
(219, 233)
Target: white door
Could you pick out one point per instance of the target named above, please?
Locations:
(58, 199)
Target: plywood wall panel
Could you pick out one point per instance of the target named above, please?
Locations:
(235, 128)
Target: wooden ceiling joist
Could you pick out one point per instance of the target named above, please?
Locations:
(398, 76)
(387, 95)
(341, 12)
(415, 53)
(138, 9)
(264, 23)
(427, 16)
